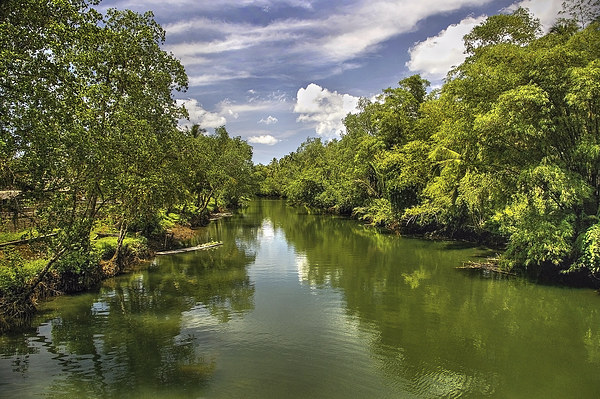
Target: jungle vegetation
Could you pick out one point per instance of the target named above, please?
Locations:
(507, 150)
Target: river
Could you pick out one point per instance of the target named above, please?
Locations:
(295, 305)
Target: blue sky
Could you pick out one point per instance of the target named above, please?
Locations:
(276, 72)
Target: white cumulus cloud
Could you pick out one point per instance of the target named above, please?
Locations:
(271, 120)
(200, 116)
(263, 139)
(324, 109)
(436, 55)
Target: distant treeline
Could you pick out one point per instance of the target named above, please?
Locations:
(507, 150)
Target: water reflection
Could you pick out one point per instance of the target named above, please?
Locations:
(439, 333)
(296, 305)
(132, 338)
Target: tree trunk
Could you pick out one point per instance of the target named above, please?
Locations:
(206, 201)
(117, 258)
(40, 276)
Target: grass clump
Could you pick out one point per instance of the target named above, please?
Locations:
(16, 272)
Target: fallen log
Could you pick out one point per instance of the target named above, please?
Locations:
(190, 249)
(220, 215)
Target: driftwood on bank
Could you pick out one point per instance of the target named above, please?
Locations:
(190, 249)
(489, 265)
(220, 215)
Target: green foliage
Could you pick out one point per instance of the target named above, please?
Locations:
(156, 224)
(104, 248)
(537, 234)
(395, 112)
(89, 114)
(7, 236)
(517, 28)
(89, 129)
(378, 212)
(588, 250)
(78, 262)
(540, 220)
(168, 220)
(16, 272)
(405, 171)
(216, 167)
(508, 146)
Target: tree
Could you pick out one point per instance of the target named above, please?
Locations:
(134, 115)
(396, 111)
(582, 11)
(508, 148)
(235, 160)
(41, 137)
(216, 167)
(89, 115)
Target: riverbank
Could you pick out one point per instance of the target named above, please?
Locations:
(22, 260)
(546, 273)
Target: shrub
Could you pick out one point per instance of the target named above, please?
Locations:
(588, 247)
(78, 262)
(104, 248)
(379, 212)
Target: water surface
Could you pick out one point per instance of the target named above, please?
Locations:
(307, 306)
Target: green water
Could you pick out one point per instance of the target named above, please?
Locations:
(305, 306)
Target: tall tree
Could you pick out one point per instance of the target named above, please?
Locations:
(88, 114)
(132, 115)
(519, 28)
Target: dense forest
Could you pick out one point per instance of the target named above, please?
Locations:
(91, 156)
(507, 151)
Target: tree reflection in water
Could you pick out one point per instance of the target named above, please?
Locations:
(437, 331)
(334, 302)
(128, 337)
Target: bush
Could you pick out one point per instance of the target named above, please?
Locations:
(136, 246)
(379, 212)
(156, 224)
(105, 247)
(78, 262)
(588, 246)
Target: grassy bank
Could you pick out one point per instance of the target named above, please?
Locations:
(24, 255)
(76, 271)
